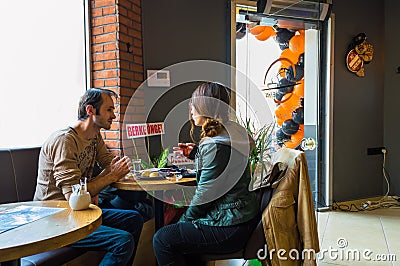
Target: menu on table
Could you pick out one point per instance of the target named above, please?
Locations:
(24, 214)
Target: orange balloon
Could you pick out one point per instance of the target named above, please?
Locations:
(299, 88)
(285, 109)
(296, 44)
(296, 138)
(257, 29)
(282, 114)
(289, 55)
(266, 34)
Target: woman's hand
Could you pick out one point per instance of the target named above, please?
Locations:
(185, 148)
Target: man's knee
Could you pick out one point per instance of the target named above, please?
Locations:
(126, 240)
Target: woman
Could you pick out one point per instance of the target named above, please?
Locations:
(222, 213)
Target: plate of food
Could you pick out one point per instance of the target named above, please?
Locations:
(150, 174)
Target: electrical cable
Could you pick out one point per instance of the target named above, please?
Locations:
(385, 202)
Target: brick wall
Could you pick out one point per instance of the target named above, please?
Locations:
(117, 61)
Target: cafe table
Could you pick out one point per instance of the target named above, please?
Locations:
(156, 186)
(54, 231)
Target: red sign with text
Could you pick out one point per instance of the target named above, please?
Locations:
(144, 130)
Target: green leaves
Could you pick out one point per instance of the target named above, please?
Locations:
(158, 162)
(162, 159)
(263, 139)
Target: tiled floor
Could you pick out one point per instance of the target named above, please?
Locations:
(355, 238)
(360, 238)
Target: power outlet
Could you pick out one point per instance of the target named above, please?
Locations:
(375, 151)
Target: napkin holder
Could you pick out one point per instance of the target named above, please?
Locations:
(80, 198)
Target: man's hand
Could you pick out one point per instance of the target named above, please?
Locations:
(95, 200)
(120, 167)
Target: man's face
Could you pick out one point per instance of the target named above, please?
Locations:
(105, 116)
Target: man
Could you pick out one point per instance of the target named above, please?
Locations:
(69, 155)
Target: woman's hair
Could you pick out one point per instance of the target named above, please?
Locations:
(210, 100)
(92, 97)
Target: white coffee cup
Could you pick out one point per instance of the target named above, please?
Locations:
(79, 202)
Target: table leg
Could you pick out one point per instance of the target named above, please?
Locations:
(158, 210)
(16, 262)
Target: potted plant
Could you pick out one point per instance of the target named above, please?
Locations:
(261, 154)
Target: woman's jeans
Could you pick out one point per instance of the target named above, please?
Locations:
(182, 243)
(118, 236)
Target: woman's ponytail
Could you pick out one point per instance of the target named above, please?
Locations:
(211, 128)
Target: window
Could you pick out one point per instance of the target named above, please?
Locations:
(42, 68)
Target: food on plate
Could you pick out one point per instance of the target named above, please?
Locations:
(153, 174)
(146, 173)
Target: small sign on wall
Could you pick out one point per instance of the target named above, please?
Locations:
(158, 78)
(359, 53)
(144, 130)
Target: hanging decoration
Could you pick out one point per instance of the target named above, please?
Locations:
(359, 53)
(288, 83)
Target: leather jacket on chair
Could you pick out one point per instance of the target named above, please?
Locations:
(289, 221)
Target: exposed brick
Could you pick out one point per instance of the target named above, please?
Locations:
(110, 37)
(136, 2)
(125, 82)
(124, 64)
(122, 109)
(110, 47)
(97, 48)
(101, 3)
(125, 73)
(125, 38)
(138, 60)
(98, 66)
(136, 34)
(138, 76)
(122, 11)
(98, 83)
(111, 82)
(109, 10)
(114, 24)
(110, 28)
(135, 17)
(114, 151)
(137, 51)
(105, 56)
(126, 21)
(123, 28)
(105, 74)
(96, 12)
(113, 144)
(97, 30)
(137, 68)
(136, 84)
(112, 134)
(104, 20)
(137, 26)
(137, 43)
(110, 64)
(127, 56)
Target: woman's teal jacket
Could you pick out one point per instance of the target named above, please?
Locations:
(222, 197)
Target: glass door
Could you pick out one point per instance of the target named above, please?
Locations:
(282, 60)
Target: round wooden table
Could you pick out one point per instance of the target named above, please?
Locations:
(153, 185)
(158, 186)
(51, 232)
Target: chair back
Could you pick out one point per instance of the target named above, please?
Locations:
(257, 239)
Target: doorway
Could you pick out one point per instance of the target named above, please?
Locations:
(283, 59)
